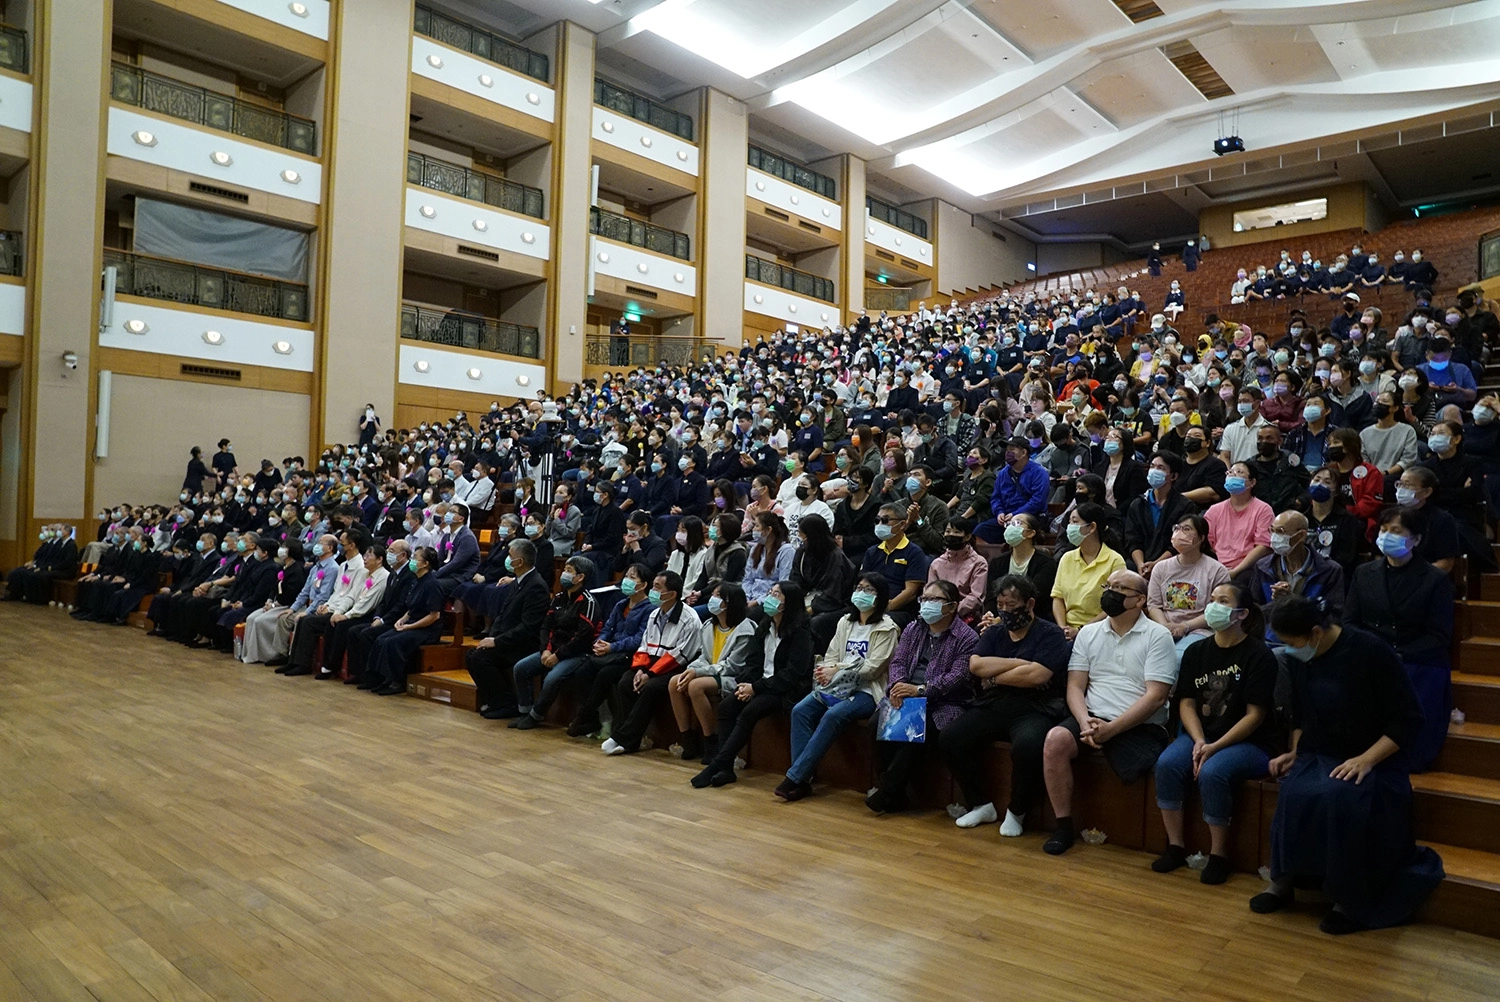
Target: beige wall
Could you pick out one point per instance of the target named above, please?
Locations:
(852, 192)
(1348, 208)
(153, 423)
(570, 205)
(365, 152)
(721, 255)
(971, 257)
(73, 48)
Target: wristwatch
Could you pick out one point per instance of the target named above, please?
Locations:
(921, 690)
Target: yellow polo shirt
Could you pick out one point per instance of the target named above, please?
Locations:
(1078, 584)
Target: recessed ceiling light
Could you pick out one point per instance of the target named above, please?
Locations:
(643, 267)
(421, 365)
(475, 374)
(528, 238)
(136, 326)
(532, 97)
(300, 9)
(759, 299)
(646, 141)
(608, 126)
(760, 186)
(481, 225)
(143, 137)
(221, 158)
(679, 277)
(523, 380)
(213, 337)
(485, 80)
(435, 61)
(682, 155)
(427, 211)
(603, 257)
(791, 307)
(796, 200)
(825, 317)
(282, 347)
(827, 211)
(290, 176)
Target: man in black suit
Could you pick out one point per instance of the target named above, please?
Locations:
(515, 633)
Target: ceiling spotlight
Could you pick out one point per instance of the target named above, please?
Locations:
(427, 211)
(421, 365)
(213, 337)
(300, 9)
(282, 347)
(646, 141)
(682, 155)
(608, 126)
(532, 97)
(679, 277)
(759, 299)
(221, 158)
(603, 257)
(796, 200)
(136, 326)
(475, 374)
(481, 225)
(485, 80)
(523, 380)
(528, 237)
(760, 186)
(643, 267)
(143, 137)
(435, 61)
(791, 307)
(290, 176)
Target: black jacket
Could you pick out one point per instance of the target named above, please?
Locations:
(1130, 484)
(791, 676)
(1153, 539)
(1410, 608)
(517, 628)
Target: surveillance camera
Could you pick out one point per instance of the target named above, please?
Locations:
(70, 359)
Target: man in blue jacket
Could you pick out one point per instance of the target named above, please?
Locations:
(1020, 489)
(458, 551)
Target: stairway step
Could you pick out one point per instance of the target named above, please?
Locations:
(1489, 587)
(1472, 749)
(454, 688)
(1476, 618)
(1478, 696)
(1470, 898)
(1464, 810)
(1479, 655)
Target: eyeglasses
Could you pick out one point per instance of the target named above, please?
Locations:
(1123, 591)
(891, 521)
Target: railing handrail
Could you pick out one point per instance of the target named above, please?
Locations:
(143, 74)
(897, 217)
(18, 266)
(537, 65)
(605, 349)
(521, 332)
(682, 243)
(797, 173)
(821, 288)
(23, 65)
(299, 290)
(488, 178)
(642, 107)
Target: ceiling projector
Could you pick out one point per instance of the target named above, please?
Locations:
(1228, 144)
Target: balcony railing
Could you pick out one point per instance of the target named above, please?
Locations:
(484, 44)
(182, 282)
(13, 52)
(625, 352)
(642, 109)
(892, 300)
(462, 329)
(758, 269)
(604, 223)
(888, 213)
(789, 170)
(165, 96)
(473, 185)
(12, 259)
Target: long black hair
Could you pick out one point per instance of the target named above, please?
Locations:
(882, 590)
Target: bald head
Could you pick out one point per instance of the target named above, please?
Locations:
(1290, 522)
(1127, 581)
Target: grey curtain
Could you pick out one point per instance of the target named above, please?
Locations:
(215, 240)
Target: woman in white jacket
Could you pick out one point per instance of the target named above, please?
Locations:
(691, 552)
(847, 685)
(696, 691)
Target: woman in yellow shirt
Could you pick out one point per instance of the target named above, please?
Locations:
(1082, 571)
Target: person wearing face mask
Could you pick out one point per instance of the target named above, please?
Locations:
(692, 493)
(1333, 531)
(931, 663)
(369, 426)
(458, 551)
(351, 604)
(192, 574)
(1020, 667)
(668, 645)
(473, 487)
(926, 515)
(563, 520)
(963, 567)
(662, 485)
(1182, 583)
(1150, 517)
(1439, 539)
(640, 545)
(1175, 302)
(1239, 289)
(268, 632)
(1238, 442)
(1451, 382)
(605, 527)
(255, 585)
(224, 464)
(1420, 274)
(569, 631)
(1283, 407)
(1472, 329)
(1026, 560)
(513, 634)
(1082, 570)
(610, 656)
(1344, 806)
(56, 559)
(1120, 676)
(391, 652)
(1407, 602)
(1390, 444)
(197, 472)
(1225, 701)
(1280, 478)
(937, 452)
(1295, 567)
(1239, 527)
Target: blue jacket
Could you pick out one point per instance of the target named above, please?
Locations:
(1023, 493)
(625, 627)
(321, 579)
(460, 553)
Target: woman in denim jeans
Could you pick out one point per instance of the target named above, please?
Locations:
(846, 686)
(1225, 692)
(570, 628)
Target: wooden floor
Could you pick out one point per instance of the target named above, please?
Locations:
(176, 826)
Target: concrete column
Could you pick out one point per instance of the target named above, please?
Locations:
(364, 145)
(721, 249)
(571, 185)
(70, 69)
(854, 237)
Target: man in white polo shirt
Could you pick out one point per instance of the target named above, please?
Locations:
(1239, 443)
(1120, 676)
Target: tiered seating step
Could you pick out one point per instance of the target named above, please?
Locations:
(1472, 749)
(1470, 898)
(1461, 810)
(455, 687)
(1479, 655)
(1478, 696)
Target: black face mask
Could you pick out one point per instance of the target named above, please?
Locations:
(1112, 602)
(1015, 620)
(953, 542)
(1381, 411)
(1267, 449)
(1334, 454)
(803, 493)
(1193, 445)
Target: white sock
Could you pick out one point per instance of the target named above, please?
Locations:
(1011, 828)
(984, 814)
(610, 747)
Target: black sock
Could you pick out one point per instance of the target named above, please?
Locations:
(1217, 871)
(1173, 857)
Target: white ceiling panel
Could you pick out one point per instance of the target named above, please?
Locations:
(1042, 28)
(1137, 88)
(1250, 58)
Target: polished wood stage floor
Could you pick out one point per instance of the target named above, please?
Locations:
(176, 826)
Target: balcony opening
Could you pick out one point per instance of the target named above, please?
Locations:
(657, 114)
(790, 170)
(471, 313)
(479, 41)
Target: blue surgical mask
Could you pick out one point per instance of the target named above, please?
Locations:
(864, 601)
(1111, 447)
(200, 546)
(931, 610)
(1234, 485)
(1393, 544)
(317, 549)
(1301, 653)
(1439, 443)
(882, 531)
(1245, 408)
(715, 605)
(654, 597)
(771, 605)
(391, 559)
(913, 485)
(1156, 478)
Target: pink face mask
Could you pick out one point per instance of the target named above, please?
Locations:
(889, 464)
